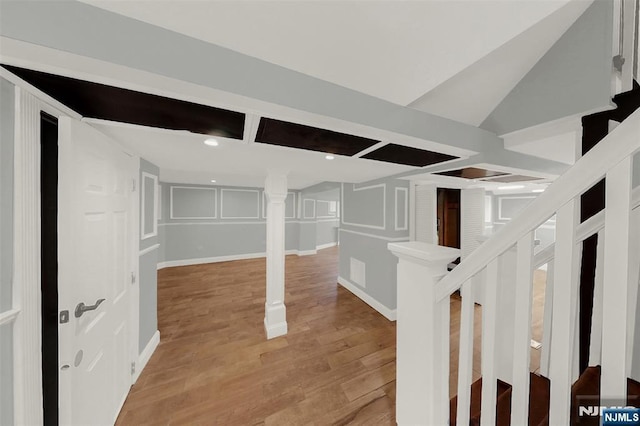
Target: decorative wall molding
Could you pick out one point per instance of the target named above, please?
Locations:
(335, 219)
(501, 216)
(386, 312)
(144, 195)
(149, 249)
(405, 218)
(305, 202)
(145, 355)
(329, 215)
(197, 188)
(228, 190)
(384, 206)
(378, 237)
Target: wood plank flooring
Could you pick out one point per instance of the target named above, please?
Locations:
(214, 365)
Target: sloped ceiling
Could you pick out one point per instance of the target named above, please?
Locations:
(394, 50)
(472, 94)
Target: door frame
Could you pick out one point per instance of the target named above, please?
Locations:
(26, 313)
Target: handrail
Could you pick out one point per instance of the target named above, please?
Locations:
(623, 142)
(589, 227)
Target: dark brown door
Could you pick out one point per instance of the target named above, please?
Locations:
(449, 217)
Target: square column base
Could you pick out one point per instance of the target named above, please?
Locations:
(275, 320)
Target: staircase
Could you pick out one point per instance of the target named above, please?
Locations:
(508, 392)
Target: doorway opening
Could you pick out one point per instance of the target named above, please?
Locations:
(49, 264)
(448, 217)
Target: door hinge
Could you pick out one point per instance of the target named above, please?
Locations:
(133, 278)
(133, 368)
(133, 185)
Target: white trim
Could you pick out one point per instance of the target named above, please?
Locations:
(327, 245)
(153, 233)
(148, 250)
(27, 295)
(379, 237)
(304, 210)
(7, 317)
(371, 149)
(159, 202)
(335, 219)
(500, 217)
(406, 209)
(228, 258)
(145, 355)
(389, 314)
(49, 102)
(329, 216)
(215, 202)
(222, 191)
(384, 206)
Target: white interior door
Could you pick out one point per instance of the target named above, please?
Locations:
(95, 247)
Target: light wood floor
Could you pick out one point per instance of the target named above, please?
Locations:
(214, 365)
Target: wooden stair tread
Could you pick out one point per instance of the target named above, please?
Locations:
(588, 384)
(539, 387)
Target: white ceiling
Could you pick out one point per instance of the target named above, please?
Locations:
(472, 94)
(183, 158)
(394, 50)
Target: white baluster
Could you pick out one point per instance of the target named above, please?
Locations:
(595, 347)
(546, 321)
(489, 323)
(613, 382)
(522, 331)
(565, 295)
(465, 362)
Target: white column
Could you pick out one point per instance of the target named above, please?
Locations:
(275, 316)
(422, 358)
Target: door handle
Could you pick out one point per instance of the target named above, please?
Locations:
(82, 308)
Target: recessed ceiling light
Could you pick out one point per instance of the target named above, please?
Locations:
(211, 142)
(213, 181)
(537, 190)
(511, 187)
(329, 157)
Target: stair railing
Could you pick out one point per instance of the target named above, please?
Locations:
(611, 158)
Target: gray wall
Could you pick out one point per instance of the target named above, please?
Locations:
(371, 211)
(201, 222)
(6, 248)
(512, 206)
(573, 77)
(318, 224)
(147, 273)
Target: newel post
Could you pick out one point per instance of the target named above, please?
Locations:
(422, 359)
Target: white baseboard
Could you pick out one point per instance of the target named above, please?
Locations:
(200, 261)
(305, 252)
(145, 356)
(324, 246)
(389, 314)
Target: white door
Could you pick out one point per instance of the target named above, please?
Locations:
(95, 242)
